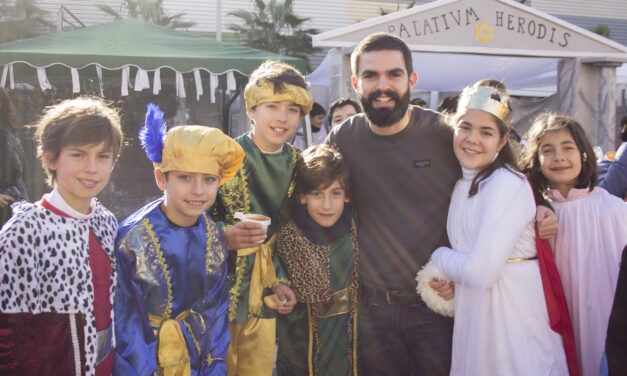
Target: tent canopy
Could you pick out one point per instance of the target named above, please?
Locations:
(131, 42)
(452, 72)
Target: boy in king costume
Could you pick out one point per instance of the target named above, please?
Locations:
(276, 101)
(317, 242)
(56, 255)
(172, 301)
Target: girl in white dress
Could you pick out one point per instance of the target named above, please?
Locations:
(501, 320)
(592, 229)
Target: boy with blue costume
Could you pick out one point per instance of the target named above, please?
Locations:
(171, 306)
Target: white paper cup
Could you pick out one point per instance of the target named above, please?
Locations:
(263, 220)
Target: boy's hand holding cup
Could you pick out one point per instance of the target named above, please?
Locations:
(249, 232)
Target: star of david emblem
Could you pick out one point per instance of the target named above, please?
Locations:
(480, 32)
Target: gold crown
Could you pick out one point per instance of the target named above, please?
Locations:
(481, 98)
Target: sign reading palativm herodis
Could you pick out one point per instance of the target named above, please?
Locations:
(479, 26)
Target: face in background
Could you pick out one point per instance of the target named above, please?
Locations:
(316, 121)
(560, 160)
(477, 139)
(383, 86)
(273, 123)
(342, 113)
(82, 171)
(187, 195)
(325, 205)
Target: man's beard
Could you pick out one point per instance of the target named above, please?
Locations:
(385, 117)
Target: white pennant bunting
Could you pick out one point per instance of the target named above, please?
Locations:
(213, 85)
(44, 84)
(198, 82)
(76, 83)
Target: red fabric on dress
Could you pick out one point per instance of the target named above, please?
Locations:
(38, 344)
(559, 318)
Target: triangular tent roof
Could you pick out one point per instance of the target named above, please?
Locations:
(496, 27)
(131, 42)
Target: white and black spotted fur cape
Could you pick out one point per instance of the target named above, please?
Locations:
(44, 264)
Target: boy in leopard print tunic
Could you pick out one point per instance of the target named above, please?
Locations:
(56, 256)
(317, 242)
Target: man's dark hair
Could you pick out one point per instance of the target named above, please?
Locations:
(339, 104)
(623, 132)
(381, 42)
(419, 102)
(316, 110)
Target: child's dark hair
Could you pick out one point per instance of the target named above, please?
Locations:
(79, 121)
(448, 105)
(318, 167)
(506, 158)
(552, 122)
(380, 42)
(316, 110)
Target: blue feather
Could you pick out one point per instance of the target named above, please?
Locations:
(152, 134)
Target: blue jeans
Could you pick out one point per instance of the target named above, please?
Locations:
(403, 340)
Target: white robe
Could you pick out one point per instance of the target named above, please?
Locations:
(501, 320)
(588, 246)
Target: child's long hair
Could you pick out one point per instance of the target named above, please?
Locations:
(317, 167)
(505, 158)
(551, 122)
(79, 121)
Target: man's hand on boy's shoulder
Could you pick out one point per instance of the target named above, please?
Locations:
(287, 296)
(244, 235)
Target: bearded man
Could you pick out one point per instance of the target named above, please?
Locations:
(403, 171)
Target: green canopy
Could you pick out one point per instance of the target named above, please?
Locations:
(130, 42)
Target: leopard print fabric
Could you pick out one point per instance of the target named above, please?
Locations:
(308, 264)
(44, 259)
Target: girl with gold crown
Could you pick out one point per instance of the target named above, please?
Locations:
(172, 298)
(502, 323)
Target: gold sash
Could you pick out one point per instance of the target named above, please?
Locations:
(523, 259)
(263, 274)
(339, 303)
(172, 353)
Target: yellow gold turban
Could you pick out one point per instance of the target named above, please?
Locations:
(200, 149)
(264, 92)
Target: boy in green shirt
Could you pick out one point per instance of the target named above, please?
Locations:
(276, 101)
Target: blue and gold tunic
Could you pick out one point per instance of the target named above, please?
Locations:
(171, 286)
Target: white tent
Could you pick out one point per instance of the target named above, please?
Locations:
(452, 72)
